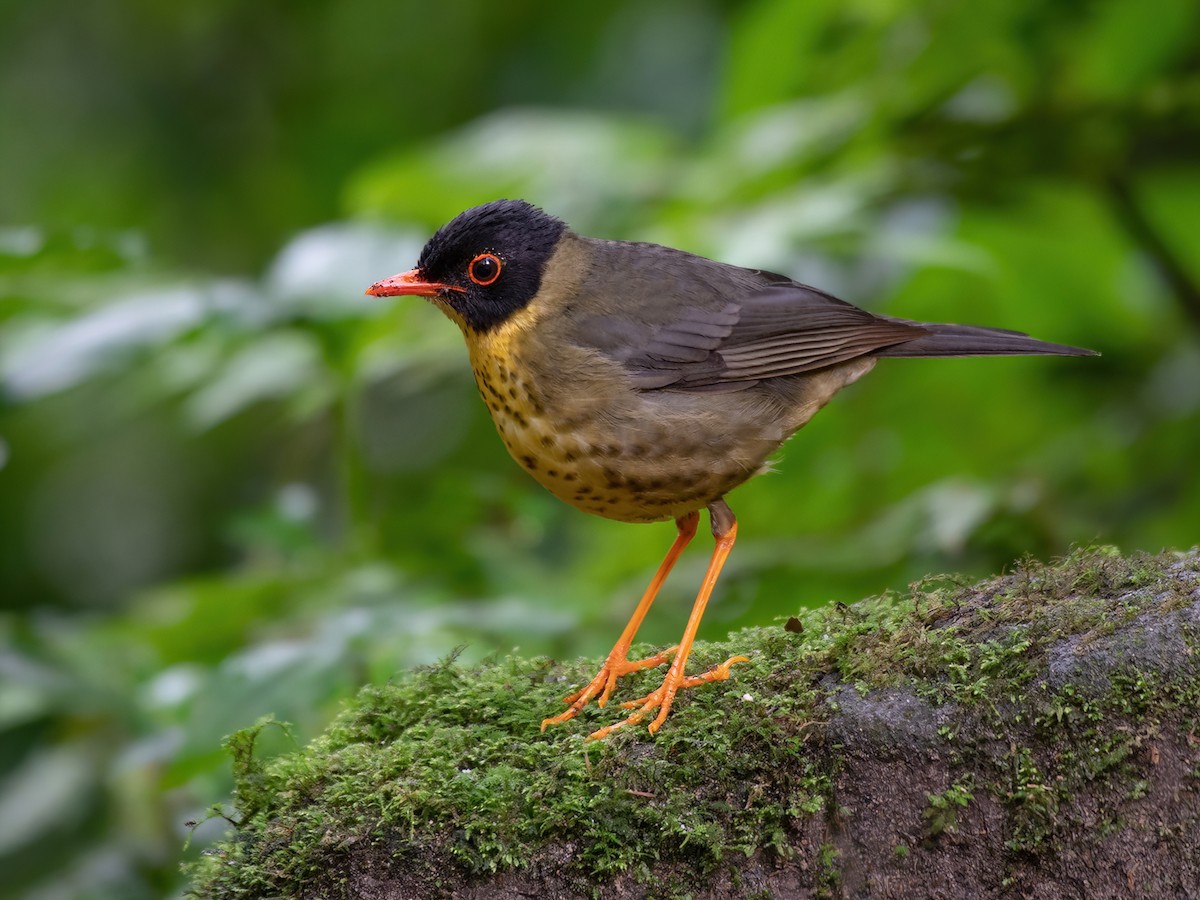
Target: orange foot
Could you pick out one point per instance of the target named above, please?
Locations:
(664, 695)
(724, 529)
(618, 663)
(606, 679)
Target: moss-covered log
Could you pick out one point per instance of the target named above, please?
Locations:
(1034, 735)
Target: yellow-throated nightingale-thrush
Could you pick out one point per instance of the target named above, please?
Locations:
(643, 383)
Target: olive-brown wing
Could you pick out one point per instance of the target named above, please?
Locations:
(777, 330)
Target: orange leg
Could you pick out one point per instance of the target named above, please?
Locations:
(618, 663)
(724, 527)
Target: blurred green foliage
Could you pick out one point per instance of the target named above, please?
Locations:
(230, 485)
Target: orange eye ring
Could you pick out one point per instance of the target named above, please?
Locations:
(485, 269)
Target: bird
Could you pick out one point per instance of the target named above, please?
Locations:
(643, 383)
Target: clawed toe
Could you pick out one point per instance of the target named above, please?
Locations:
(606, 680)
(664, 695)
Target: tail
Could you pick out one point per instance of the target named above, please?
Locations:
(972, 340)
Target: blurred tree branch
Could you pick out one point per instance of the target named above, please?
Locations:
(1135, 220)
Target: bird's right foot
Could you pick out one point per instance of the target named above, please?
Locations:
(606, 679)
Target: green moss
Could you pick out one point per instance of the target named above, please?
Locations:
(942, 813)
(449, 762)
(828, 873)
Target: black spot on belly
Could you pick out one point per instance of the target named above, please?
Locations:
(529, 462)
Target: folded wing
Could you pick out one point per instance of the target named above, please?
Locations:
(782, 328)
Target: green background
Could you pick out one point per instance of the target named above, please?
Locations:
(231, 485)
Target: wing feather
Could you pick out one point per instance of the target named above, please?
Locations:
(689, 323)
(780, 329)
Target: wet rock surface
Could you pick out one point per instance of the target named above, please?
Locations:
(1034, 736)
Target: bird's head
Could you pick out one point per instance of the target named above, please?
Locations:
(482, 266)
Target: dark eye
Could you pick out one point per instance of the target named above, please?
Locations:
(485, 268)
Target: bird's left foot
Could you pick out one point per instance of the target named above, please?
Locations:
(606, 679)
(662, 698)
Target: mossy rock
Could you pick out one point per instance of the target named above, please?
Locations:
(1036, 735)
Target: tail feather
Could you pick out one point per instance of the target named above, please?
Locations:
(973, 340)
